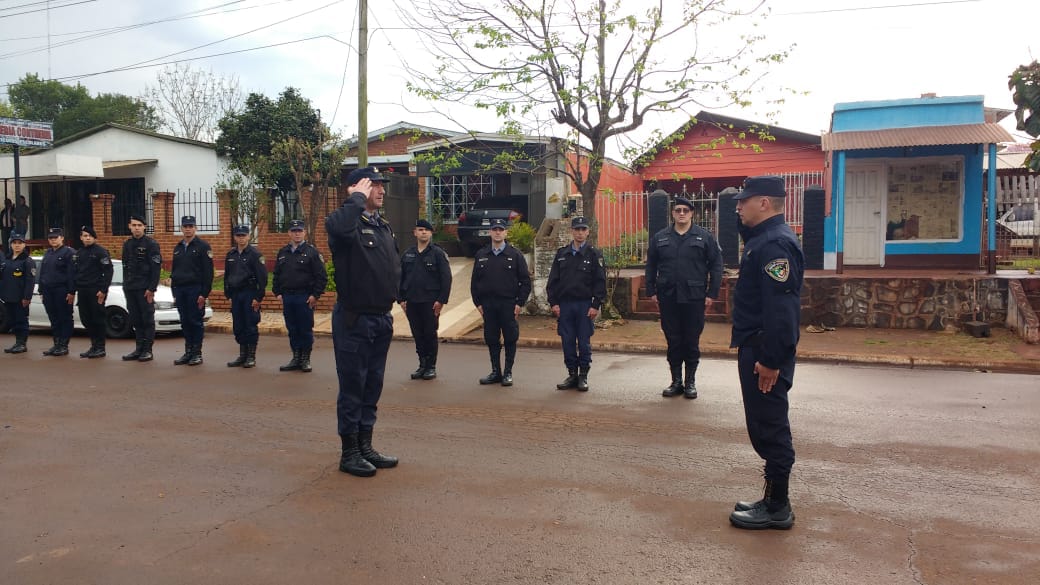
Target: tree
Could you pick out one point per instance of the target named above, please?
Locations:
(6, 111)
(71, 109)
(314, 164)
(1025, 84)
(586, 66)
(190, 102)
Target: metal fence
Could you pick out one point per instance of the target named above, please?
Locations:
(1018, 227)
(202, 204)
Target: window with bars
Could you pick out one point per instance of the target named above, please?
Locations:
(453, 195)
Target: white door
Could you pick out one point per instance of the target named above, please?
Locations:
(864, 191)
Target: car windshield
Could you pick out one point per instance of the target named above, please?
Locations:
(1023, 212)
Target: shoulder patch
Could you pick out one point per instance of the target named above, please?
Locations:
(209, 253)
(261, 258)
(320, 257)
(157, 259)
(778, 269)
(106, 260)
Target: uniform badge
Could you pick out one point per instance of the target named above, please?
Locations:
(106, 260)
(778, 269)
(321, 258)
(261, 258)
(32, 272)
(157, 259)
(209, 253)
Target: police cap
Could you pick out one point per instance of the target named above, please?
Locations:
(370, 173)
(764, 185)
(296, 224)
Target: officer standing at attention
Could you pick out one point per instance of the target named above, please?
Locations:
(299, 281)
(17, 276)
(93, 277)
(576, 288)
(368, 270)
(142, 262)
(425, 287)
(245, 282)
(191, 278)
(499, 287)
(683, 276)
(58, 289)
(766, 321)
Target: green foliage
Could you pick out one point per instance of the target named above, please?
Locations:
(71, 109)
(521, 236)
(1025, 83)
(6, 110)
(330, 271)
(628, 251)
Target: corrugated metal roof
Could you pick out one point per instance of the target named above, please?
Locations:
(919, 136)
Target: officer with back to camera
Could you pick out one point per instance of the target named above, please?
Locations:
(576, 288)
(499, 286)
(93, 278)
(766, 321)
(245, 283)
(299, 281)
(58, 289)
(191, 278)
(425, 287)
(368, 271)
(142, 262)
(683, 275)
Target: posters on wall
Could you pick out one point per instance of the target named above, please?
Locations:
(924, 200)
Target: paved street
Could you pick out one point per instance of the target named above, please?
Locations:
(115, 473)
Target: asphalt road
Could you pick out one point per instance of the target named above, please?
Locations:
(116, 473)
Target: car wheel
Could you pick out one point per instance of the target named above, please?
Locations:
(4, 325)
(117, 323)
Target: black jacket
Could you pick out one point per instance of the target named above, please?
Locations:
(504, 276)
(768, 296)
(193, 265)
(365, 256)
(683, 267)
(93, 269)
(245, 273)
(57, 270)
(17, 276)
(425, 276)
(577, 277)
(142, 262)
(299, 272)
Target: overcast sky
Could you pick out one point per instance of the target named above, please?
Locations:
(847, 50)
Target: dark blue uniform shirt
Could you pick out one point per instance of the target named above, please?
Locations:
(57, 270)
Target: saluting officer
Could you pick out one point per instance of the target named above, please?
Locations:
(17, 276)
(191, 279)
(142, 262)
(299, 281)
(576, 288)
(683, 276)
(58, 289)
(368, 271)
(93, 277)
(766, 321)
(245, 282)
(499, 287)
(425, 287)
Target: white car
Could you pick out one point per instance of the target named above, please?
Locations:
(117, 320)
(1023, 223)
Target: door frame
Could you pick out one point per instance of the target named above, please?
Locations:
(882, 168)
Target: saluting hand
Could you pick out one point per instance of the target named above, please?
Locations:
(364, 186)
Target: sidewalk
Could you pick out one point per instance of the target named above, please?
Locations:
(1003, 351)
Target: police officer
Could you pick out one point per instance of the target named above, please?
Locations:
(58, 289)
(425, 287)
(245, 282)
(142, 262)
(499, 287)
(17, 276)
(299, 281)
(93, 277)
(368, 270)
(191, 279)
(576, 288)
(683, 275)
(766, 321)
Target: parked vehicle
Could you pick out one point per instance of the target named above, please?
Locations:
(1021, 221)
(474, 225)
(117, 320)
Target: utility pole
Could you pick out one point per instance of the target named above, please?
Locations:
(362, 153)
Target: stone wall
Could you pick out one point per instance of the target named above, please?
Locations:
(552, 235)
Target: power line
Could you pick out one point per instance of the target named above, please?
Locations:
(884, 7)
(47, 9)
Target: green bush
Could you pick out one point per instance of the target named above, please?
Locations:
(330, 271)
(521, 236)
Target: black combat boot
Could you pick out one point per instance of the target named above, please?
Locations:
(241, 359)
(305, 359)
(496, 369)
(185, 357)
(53, 348)
(250, 356)
(196, 355)
(371, 455)
(351, 461)
(63, 348)
(19, 345)
(772, 511)
(583, 379)
(676, 387)
(90, 350)
(690, 388)
(431, 368)
(571, 381)
(146, 351)
(507, 372)
(294, 363)
(417, 374)
(99, 349)
(132, 356)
